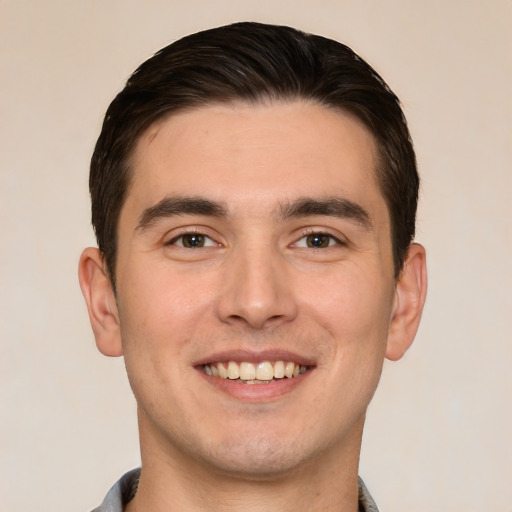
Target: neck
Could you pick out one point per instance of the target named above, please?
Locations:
(174, 481)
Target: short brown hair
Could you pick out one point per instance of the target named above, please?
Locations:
(252, 62)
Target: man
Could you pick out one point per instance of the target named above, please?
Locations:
(253, 193)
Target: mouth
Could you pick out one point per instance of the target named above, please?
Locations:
(263, 372)
(261, 376)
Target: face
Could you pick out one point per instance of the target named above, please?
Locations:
(254, 240)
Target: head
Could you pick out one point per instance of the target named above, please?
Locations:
(254, 192)
(252, 63)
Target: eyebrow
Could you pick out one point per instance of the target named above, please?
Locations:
(302, 207)
(331, 206)
(179, 205)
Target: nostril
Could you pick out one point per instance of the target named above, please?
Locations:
(255, 294)
(255, 321)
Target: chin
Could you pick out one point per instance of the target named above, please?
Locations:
(257, 459)
(258, 455)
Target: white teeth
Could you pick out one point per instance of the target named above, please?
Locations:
(288, 371)
(265, 371)
(223, 373)
(279, 370)
(233, 370)
(249, 373)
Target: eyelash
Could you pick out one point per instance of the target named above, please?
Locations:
(191, 233)
(319, 233)
(205, 238)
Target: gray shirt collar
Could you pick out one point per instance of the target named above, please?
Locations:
(126, 487)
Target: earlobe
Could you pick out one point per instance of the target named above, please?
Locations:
(410, 294)
(101, 302)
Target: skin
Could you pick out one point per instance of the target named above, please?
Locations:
(257, 288)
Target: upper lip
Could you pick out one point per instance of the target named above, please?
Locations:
(255, 356)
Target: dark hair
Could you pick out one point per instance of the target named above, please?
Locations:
(255, 63)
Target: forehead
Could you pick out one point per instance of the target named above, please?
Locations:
(255, 154)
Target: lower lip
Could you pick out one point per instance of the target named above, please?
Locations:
(257, 392)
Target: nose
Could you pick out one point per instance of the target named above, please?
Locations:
(257, 290)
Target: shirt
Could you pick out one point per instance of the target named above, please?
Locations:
(125, 488)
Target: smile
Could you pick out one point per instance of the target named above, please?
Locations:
(259, 373)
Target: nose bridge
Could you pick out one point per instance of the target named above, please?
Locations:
(256, 291)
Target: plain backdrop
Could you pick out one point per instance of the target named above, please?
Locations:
(438, 435)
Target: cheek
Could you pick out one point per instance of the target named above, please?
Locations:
(353, 304)
(159, 314)
(160, 297)
(354, 310)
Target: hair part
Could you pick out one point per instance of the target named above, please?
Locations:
(254, 63)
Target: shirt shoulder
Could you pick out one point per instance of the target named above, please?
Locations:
(120, 493)
(366, 503)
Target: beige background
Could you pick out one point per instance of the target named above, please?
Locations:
(438, 434)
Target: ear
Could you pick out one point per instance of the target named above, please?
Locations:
(410, 293)
(101, 302)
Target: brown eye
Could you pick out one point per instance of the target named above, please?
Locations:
(318, 241)
(192, 240)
